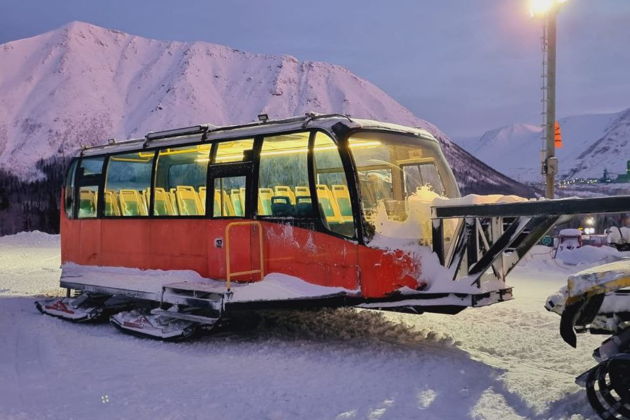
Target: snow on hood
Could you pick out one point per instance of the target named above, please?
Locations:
(583, 281)
(579, 283)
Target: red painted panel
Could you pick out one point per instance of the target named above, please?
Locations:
(125, 243)
(89, 243)
(189, 244)
(382, 272)
(178, 244)
(312, 256)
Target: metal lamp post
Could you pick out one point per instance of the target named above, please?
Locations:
(549, 10)
(550, 164)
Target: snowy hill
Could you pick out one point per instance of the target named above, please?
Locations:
(82, 84)
(610, 151)
(591, 143)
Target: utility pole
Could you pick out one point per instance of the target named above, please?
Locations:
(550, 164)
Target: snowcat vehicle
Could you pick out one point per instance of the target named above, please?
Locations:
(597, 301)
(180, 229)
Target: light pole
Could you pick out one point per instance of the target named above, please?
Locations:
(548, 9)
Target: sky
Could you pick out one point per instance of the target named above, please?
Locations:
(467, 66)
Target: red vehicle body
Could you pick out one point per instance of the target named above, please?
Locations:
(313, 211)
(189, 245)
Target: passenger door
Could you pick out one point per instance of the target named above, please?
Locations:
(235, 248)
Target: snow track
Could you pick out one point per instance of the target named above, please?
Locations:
(505, 361)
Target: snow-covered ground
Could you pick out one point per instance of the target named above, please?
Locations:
(500, 362)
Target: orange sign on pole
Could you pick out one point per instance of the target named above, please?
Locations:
(557, 137)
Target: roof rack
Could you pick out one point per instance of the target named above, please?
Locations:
(176, 132)
(110, 144)
(205, 129)
(307, 118)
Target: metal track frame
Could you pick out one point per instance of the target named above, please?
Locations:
(493, 238)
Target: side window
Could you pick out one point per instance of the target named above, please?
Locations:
(68, 201)
(180, 181)
(332, 187)
(88, 180)
(128, 184)
(229, 196)
(283, 176)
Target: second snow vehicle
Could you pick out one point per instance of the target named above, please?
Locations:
(184, 227)
(598, 301)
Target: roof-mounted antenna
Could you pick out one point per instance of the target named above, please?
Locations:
(263, 118)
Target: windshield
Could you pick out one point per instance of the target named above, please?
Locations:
(399, 177)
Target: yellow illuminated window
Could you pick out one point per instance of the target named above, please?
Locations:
(283, 168)
(332, 187)
(235, 151)
(128, 184)
(180, 181)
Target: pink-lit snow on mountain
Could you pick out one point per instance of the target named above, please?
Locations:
(591, 143)
(82, 84)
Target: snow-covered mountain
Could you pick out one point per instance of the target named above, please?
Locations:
(81, 84)
(611, 151)
(591, 143)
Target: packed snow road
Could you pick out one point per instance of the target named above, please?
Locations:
(506, 361)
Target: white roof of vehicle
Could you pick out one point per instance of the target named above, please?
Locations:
(194, 134)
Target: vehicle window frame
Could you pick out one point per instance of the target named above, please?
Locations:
(90, 181)
(104, 182)
(316, 218)
(154, 175)
(71, 173)
(339, 139)
(346, 169)
(229, 170)
(270, 217)
(362, 223)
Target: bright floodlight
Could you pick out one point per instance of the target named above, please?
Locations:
(542, 7)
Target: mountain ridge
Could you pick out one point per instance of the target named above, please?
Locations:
(81, 84)
(591, 143)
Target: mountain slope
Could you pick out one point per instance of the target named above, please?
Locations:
(591, 144)
(611, 151)
(82, 84)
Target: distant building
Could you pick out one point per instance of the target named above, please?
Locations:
(624, 177)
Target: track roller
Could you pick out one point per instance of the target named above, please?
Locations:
(83, 308)
(608, 388)
(160, 324)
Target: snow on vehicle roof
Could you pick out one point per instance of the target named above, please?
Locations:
(194, 134)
